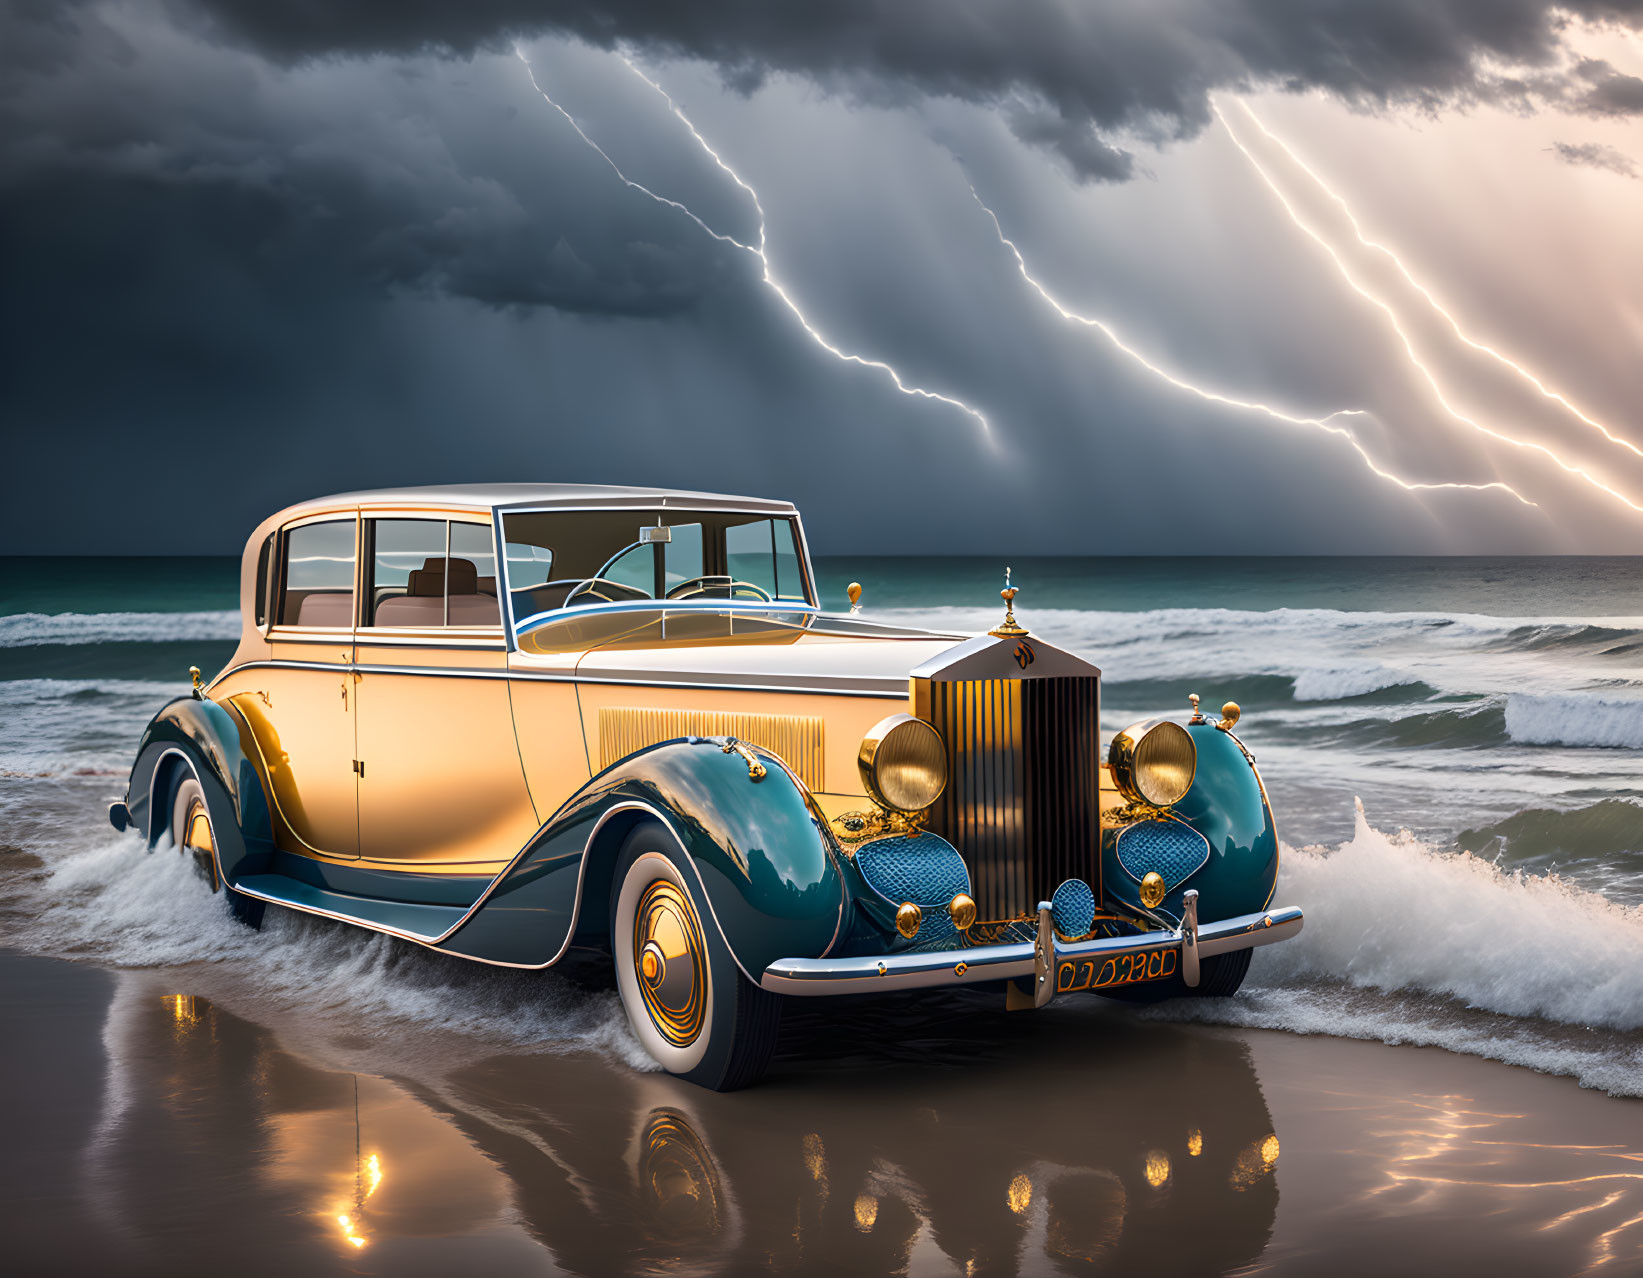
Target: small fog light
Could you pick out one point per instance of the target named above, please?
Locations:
(1152, 889)
(908, 918)
(963, 910)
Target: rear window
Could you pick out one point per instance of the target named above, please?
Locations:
(317, 589)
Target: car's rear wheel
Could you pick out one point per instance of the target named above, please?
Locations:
(687, 1000)
(192, 832)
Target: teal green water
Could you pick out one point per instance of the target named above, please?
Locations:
(1586, 586)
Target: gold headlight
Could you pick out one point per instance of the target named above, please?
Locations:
(1153, 762)
(903, 763)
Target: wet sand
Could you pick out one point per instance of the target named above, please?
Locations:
(157, 1121)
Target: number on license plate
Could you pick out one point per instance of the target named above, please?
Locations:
(1124, 969)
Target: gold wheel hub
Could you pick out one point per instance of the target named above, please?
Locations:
(671, 959)
(197, 841)
(652, 964)
(197, 830)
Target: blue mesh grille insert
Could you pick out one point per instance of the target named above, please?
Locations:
(1172, 848)
(923, 869)
(1072, 908)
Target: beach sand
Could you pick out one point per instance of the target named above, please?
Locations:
(164, 1121)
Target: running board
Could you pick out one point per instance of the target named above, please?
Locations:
(413, 921)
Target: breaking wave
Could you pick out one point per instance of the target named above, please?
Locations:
(1406, 944)
(1575, 720)
(31, 629)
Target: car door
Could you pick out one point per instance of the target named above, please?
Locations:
(441, 787)
(301, 705)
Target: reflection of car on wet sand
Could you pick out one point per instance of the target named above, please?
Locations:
(502, 721)
(858, 1193)
(632, 1173)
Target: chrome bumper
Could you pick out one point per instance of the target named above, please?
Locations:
(1040, 962)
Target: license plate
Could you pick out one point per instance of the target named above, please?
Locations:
(1125, 969)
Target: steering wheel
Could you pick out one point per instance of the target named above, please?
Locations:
(718, 581)
(597, 586)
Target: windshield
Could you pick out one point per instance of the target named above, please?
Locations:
(571, 559)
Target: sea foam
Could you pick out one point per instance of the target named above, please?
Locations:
(30, 629)
(117, 903)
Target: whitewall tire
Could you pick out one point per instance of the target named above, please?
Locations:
(689, 1004)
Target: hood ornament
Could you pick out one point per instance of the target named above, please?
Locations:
(1009, 629)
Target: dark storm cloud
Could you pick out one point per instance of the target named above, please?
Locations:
(1077, 143)
(253, 252)
(1139, 65)
(1611, 93)
(1595, 155)
(390, 189)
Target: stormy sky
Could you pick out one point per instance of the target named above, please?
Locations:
(1295, 276)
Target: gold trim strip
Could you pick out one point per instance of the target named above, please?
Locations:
(796, 739)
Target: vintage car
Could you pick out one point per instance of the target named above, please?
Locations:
(501, 721)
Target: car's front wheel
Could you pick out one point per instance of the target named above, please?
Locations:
(687, 1000)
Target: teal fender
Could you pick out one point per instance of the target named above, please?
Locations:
(760, 850)
(206, 741)
(1227, 805)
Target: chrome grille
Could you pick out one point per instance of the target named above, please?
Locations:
(1023, 799)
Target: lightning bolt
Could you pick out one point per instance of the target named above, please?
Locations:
(1481, 347)
(758, 250)
(1326, 423)
(1408, 345)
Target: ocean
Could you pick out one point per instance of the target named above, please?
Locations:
(1453, 747)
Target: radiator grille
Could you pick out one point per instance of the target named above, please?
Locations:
(796, 739)
(1022, 803)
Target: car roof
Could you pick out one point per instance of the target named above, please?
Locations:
(534, 496)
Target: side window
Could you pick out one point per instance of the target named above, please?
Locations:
(471, 581)
(427, 572)
(259, 606)
(764, 554)
(407, 573)
(526, 543)
(317, 588)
